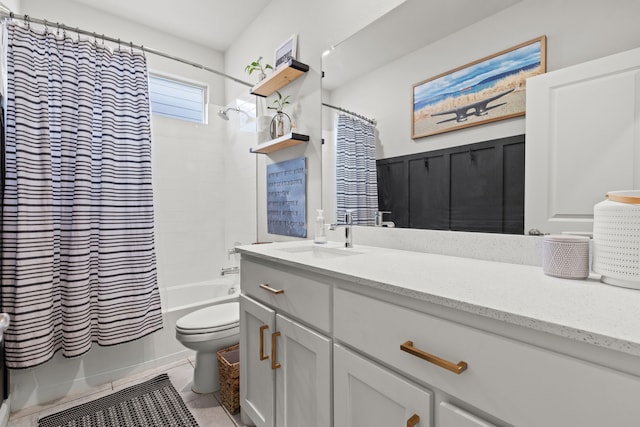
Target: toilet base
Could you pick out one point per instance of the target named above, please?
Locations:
(205, 374)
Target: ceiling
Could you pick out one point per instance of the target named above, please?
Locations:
(212, 23)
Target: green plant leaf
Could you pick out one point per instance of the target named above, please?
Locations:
(256, 65)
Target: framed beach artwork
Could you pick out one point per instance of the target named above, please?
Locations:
(487, 90)
(286, 51)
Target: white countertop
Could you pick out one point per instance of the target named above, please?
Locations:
(583, 310)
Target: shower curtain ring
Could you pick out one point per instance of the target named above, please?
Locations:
(11, 15)
(78, 33)
(118, 45)
(46, 27)
(58, 29)
(131, 47)
(26, 21)
(103, 40)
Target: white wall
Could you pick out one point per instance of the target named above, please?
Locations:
(204, 197)
(318, 25)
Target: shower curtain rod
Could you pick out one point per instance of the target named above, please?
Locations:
(366, 119)
(28, 20)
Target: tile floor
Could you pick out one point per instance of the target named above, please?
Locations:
(206, 408)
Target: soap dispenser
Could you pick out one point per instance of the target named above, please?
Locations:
(321, 232)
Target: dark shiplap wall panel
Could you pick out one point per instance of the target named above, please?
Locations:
(475, 187)
(476, 193)
(393, 193)
(428, 193)
(513, 187)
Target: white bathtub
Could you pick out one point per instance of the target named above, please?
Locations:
(193, 295)
(60, 376)
(183, 299)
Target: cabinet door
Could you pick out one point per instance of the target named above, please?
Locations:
(257, 397)
(451, 416)
(366, 395)
(303, 380)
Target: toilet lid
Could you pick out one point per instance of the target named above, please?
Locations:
(217, 317)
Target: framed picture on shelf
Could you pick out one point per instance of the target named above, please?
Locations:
(486, 90)
(286, 51)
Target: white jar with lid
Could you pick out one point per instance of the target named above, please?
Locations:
(565, 256)
(616, 239)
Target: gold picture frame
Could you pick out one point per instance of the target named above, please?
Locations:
(483, 91)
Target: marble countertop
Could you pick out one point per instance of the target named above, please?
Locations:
(583, 310)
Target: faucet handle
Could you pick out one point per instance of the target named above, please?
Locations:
(380, 217)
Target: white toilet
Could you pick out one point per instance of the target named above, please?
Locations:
(206, 331)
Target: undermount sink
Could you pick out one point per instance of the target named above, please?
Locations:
(318, 251)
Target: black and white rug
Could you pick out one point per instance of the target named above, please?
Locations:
(152, 403)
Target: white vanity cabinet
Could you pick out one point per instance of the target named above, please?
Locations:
(323, 346)
(515, 382)
(367, 395)
(285, 366)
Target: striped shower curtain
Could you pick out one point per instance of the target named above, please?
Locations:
(78, 259)
(356, 178)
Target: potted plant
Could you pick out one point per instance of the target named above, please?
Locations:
(281, 122)
(257, 66)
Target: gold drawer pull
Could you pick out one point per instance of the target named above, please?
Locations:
(458, 368)
(262, 355)
(413, 421)
(266, 287)
(274, 364)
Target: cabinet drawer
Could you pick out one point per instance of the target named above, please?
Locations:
(516, 382)
(302, 296)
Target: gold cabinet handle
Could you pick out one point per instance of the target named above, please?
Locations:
(413, 421)
(266, 287)
(262, 355)
(458, 368)
(274, 364)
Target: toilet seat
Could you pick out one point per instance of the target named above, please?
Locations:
(216, 318)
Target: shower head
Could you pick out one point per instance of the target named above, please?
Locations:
(223, 113)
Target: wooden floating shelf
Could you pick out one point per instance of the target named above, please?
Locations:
(281, 143)
(281, 77)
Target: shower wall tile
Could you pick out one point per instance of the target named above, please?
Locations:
(189, 178)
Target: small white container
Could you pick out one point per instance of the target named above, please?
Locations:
(616, 239)
(565, 256)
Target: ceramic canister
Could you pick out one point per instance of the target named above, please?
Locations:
(565, 256)
(616, 239)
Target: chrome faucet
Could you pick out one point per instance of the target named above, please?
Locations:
(380, 217)
(348, 222)
(229, 270)
(380, 222)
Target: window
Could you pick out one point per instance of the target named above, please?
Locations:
(178, 99)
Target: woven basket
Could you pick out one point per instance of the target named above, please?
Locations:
(229, 374)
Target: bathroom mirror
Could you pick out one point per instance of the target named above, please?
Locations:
(371, 74)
